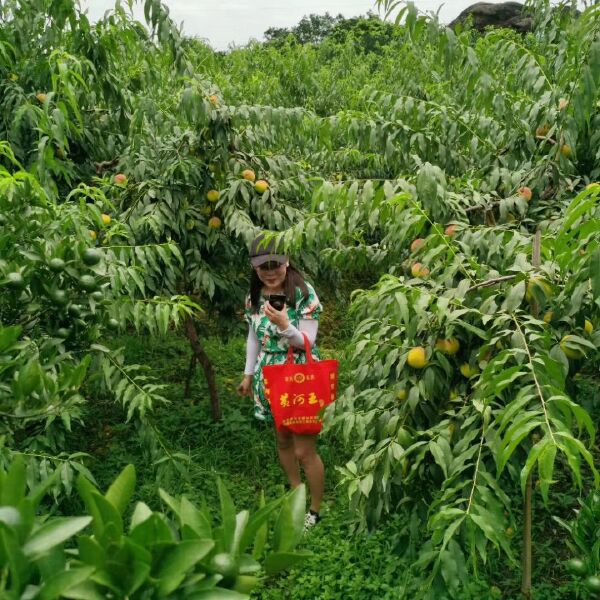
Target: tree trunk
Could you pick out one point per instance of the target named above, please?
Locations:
(187, 390)
(200, 355)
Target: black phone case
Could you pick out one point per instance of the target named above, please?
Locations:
(277, 301)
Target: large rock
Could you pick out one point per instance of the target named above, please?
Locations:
(503, 14)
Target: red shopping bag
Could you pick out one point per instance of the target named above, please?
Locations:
(299, 393)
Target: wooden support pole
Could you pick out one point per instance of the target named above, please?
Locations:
(527, 562)
(527, 555)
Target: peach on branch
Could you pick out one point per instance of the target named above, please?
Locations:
(419, 270)
(416, 357)
(525, 193)
(416, 244)
(261, 186)
(450, 230)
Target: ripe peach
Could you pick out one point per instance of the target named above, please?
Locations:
(416, 244)
(261, 186)
(419, 270)
(450, 231)
(525, 193)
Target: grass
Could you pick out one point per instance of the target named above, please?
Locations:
(242, 452)
(214, 449)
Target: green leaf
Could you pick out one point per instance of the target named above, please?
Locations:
(53, 533)
(141, 512)
(179, 561)
(84, 591)
(111, 517)
(12, 554)
(496, 384)
(218, 594)
(582, 417)
(195, 519)
(366, 484)
(8, 336)
(139, 575)
(257, 529)
(532, 458)
(87, 492)
(573, 448)
(246, 583)
(515, 435)
(37, 494)
(121, 490)
(402, 306)
(488, 522)
(546, 468)
(91, 552)
(440, 457)
(281, 561)
(515, 297)
(13, 484)
(290, 522)
(228, 518)
(579, 206)
(51, 563)
(173, 503)
(241, 522)
(248, 565)
(514, 408)
(30, 378)
(56, 586)
(10, 516)
(595, 273)
(451, 530)
(152, 531)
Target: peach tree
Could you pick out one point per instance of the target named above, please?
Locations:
(474, 208)
(69, 265)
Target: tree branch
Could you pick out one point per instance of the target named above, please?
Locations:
(491, 282)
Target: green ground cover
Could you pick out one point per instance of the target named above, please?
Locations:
(242, 451)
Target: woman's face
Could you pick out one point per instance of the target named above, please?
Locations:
(272, 275)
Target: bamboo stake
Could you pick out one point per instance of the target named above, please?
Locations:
(527, 508)
(527, 557)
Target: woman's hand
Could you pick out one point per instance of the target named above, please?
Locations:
(277, 317)
(245, 387)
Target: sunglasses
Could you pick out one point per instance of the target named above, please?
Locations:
(272, 265)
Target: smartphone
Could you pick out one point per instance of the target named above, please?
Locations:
(277, 301)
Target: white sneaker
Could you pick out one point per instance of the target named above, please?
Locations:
(310, 520)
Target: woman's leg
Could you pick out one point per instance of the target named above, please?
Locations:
(287, 456)
(305, 449)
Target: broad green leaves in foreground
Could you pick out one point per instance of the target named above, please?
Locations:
(156, 555)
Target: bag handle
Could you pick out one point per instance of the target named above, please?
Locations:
(309, 356)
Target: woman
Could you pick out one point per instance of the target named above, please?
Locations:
(270, 334)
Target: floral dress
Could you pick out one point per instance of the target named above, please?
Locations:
(273, 349)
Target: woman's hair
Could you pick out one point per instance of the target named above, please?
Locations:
(293, 280)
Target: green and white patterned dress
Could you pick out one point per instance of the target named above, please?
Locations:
(273, 348)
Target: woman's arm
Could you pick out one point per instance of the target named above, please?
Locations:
(245, 387)
(294, 334)
(251, 352)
